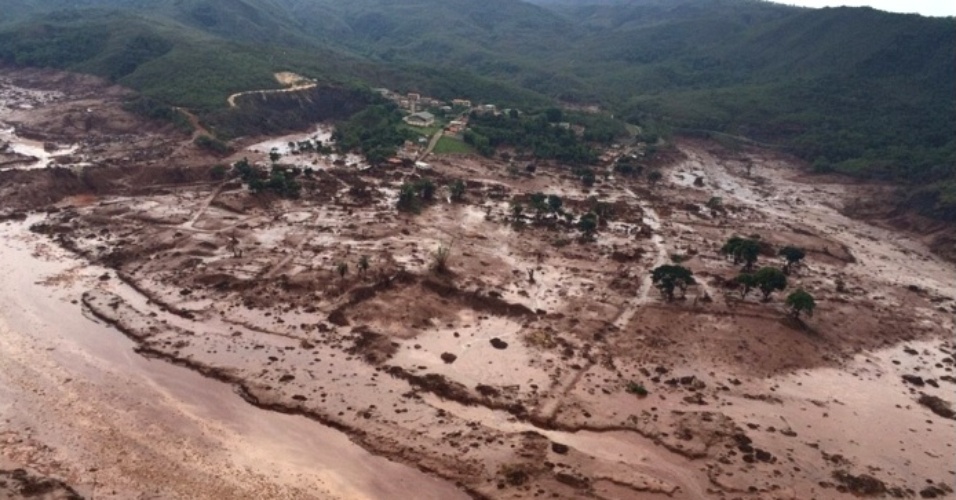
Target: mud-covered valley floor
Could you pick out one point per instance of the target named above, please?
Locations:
(511, 374)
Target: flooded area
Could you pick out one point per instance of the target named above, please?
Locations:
(28, 154)
(78, 402)
(304, 150)
(167, 332)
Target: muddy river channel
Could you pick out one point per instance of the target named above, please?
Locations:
(77, 402)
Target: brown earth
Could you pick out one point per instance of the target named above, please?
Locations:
(550, 334)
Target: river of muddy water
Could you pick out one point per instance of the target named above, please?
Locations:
(77, 402)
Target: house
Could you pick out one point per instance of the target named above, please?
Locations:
(423, 119)
(465, 103)
(456, 126)
(414, 97)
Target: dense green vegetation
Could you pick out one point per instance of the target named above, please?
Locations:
(851, 90)
(536, 135)
(374, 131)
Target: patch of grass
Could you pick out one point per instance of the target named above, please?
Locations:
(452, 145)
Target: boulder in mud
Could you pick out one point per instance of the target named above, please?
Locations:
(498, 343)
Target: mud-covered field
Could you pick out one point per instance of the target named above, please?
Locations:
(536, 361)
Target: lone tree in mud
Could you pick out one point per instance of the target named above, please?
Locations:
(408, 198)
(342, 269)
(363, 264)
(555, 203)
(456, 190)
(426, 189)
(745, 250)
(539, 202)
(588, 225)
(800, 302)
(747, 282)
(517, 209)
(794, 256)
(654, 177)
(669, 278)
(440, 259)
(769, 280)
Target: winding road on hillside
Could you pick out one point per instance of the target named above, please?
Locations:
(294, 88)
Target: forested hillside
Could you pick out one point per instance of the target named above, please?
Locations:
(852, 90)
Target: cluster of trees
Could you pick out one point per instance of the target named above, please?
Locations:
(536, 135)
(768, 279)
(746, 251)
(374, 132)
(550, 205)
(412, 194)
(279, 180)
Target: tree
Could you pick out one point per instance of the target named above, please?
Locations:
(588, 224)
(408, 198)
(742, 250)
(747, 281)
(554, 115)
(604, 211)
(516, 210)
(770, 279)
(555, 203)
(457, 190)
(794, 256)
(668, 278)
(716, 203)
(801, 301)
(654, 177)
(540, 204)
(274, 155)
(440, 259)
(426, 189)
(342, 269)
(587, 177)
(363, 264)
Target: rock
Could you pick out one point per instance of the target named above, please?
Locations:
(572, 480)
(937, 406)
(914, 379)
(498, 343)
(448, 357)
(935, 491)
(862, 485)
(560, 449)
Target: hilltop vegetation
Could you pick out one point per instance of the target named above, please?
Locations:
(851, 90)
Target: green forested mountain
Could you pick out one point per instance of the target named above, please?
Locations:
(851, 89)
